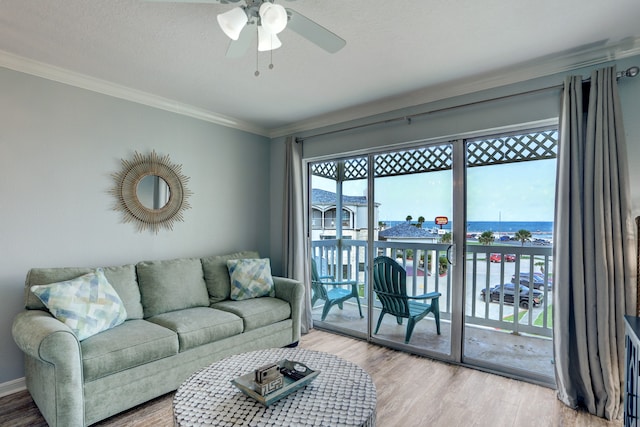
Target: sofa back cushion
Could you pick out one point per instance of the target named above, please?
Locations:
(216, 274)
(122, 278)
(171, 285)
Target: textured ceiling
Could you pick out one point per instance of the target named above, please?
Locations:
(176, 51)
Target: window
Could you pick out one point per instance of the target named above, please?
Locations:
(346, 219)
(330, 218)
(316, 219)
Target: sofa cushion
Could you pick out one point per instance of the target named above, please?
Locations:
(131, 344)
(87, 304)
(171, 285)
(200, 325)
(122, 278)
(216, 274)
(250, 278)
(257, 312)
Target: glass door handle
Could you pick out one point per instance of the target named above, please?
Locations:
(451, 254)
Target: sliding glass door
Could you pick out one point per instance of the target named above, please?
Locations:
(413, 192)
(468, 221)
(396, 204)
(339, 233)
(510, 200)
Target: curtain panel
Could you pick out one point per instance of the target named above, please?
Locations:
(594, 247)
(294, 251)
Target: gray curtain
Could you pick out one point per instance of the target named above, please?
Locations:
(294, 249)
(594, 252)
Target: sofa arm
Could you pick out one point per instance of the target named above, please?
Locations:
(44, 337)
(53, 366)
(291, 291)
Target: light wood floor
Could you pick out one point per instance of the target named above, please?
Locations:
(412, 391)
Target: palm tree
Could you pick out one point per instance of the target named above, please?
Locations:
(523, 236)
(443, 265)
(446, 238)
(486, 238)
(420, 221)
(409, 218)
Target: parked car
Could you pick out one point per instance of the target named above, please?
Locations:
(538, 280)
(509, 291)
(498, 257)
(541, 242)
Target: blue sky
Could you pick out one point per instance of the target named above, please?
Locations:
(511, 192)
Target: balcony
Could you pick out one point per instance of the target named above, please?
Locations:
(498, 334)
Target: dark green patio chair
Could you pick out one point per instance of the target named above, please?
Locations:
(331, 291)
(390, 284)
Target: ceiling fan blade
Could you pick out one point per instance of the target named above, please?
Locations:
(314, 32)
(237, 48)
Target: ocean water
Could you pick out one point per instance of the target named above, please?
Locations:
(539, 229)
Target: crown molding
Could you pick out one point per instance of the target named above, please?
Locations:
(562, 62)
(61, 75)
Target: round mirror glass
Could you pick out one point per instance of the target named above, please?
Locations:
(153, 192)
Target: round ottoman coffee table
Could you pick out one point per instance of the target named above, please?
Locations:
(343, 394)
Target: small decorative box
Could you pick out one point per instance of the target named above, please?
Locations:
(267, 387)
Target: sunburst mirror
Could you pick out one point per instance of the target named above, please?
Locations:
(151, 192)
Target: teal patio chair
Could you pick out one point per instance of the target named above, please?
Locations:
(390, 284)
(331, 291)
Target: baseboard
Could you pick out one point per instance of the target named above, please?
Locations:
(13, 386)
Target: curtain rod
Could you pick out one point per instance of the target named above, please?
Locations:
(629, 72)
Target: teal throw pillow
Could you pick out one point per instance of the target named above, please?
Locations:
(87, 304)
(250, 278)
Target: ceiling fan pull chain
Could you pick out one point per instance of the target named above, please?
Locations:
(271, 59)
(257, 73)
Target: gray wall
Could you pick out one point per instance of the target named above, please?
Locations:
(59, 146)
(515, 110)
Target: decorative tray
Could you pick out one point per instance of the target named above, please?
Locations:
(248, 386)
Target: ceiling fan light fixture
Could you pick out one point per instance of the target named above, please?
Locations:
(273, 17)
(232, 22)
(267, 41)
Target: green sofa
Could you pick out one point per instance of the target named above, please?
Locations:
(179, 319)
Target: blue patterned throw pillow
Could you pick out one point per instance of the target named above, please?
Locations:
(250, 278)
(87, 304)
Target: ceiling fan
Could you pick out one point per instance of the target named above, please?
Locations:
(265, 19)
